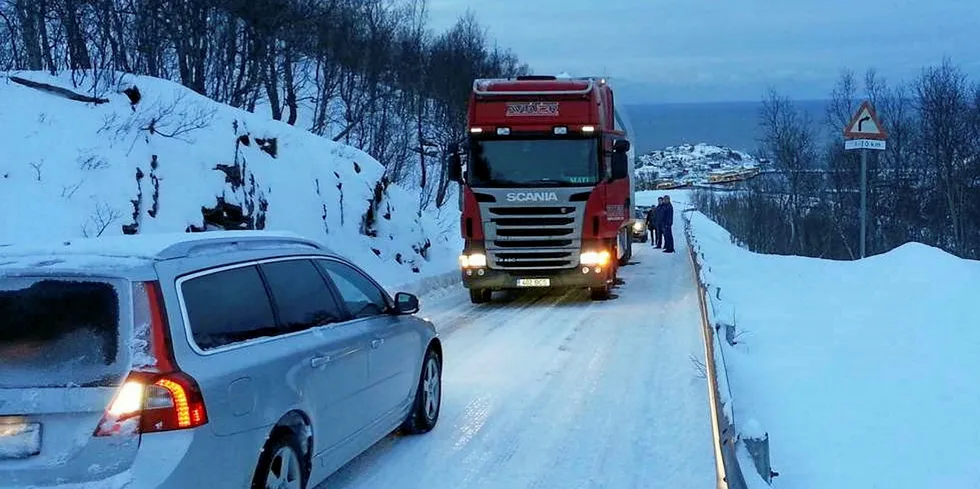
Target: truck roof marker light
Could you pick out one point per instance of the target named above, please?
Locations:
(588, 129)
(561, 130)
(503, 131)
(476, 130)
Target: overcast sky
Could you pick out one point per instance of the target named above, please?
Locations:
(727, 50)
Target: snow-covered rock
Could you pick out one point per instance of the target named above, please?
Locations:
(162, 158)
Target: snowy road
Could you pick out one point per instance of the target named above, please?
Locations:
(555, 391)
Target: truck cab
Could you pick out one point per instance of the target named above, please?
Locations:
(547, 187)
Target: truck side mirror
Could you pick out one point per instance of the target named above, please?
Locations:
(620, 166)
(455, 170)
(620, 163)
(621, 146)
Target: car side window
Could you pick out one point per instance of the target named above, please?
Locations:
(301, 294)
(227, 307)
(362, 297)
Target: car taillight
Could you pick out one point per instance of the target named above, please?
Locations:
(151, 404)
(155, 397)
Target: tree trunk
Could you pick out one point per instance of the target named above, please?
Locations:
(271, 75)
(28, 13)
(290, 82)
(78, 54)
(420, 137)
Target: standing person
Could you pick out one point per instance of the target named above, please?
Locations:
(659, 222)
(650, 219)
(652, 223)
(667, 220)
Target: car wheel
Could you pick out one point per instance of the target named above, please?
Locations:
(428, 397)
(280, 464)
(480, 296)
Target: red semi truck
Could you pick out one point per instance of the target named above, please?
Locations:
(547, 186)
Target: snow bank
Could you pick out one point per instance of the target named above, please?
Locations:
(862, 373)
(176, 161)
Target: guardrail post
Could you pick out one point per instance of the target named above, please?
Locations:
(731, 335)
(759, 450)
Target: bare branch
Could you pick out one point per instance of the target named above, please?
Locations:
(103, 217)
(37, 169)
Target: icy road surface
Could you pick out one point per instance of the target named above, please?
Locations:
(556, 391)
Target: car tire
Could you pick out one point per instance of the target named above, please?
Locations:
(480, 296)
(428, 397)
(281, 463)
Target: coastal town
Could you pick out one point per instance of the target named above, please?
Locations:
(694, 165)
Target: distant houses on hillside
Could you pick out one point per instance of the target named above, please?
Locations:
(692, 165)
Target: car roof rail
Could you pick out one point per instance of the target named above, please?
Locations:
(236, 241)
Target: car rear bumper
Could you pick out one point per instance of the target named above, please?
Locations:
(566, 278)
(170, 460)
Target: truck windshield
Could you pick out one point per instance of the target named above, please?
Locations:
(533, 162)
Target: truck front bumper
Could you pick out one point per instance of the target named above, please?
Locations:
(530, 279)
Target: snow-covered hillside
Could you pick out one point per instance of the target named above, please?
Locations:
(690, 164)
(177, 161)
(863, 373)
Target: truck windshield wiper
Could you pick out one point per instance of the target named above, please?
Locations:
(545, 183)
(499, 182)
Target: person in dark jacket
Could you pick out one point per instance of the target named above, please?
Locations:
(666, 223)
(652, 219)
(660, 223)
(651, 222)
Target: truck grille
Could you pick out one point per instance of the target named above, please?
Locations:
(534, 238)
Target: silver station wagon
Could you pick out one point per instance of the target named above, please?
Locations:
(219, 359)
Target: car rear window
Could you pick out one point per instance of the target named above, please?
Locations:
(58, 332)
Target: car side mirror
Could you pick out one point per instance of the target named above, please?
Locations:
(406, 303)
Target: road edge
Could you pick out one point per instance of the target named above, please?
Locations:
(430, 283)
(725, 436)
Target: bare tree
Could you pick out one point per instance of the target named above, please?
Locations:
(943, 106)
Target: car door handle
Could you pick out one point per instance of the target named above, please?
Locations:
(317, 362)
(377, 342)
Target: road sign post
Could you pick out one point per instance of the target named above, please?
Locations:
(865, 132)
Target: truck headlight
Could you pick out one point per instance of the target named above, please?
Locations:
(594, 258)
(473, 260)
(638, 226)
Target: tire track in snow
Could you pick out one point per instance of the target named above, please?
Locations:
(533, 351)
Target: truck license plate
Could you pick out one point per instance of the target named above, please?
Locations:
(19, 440)
(534, 282)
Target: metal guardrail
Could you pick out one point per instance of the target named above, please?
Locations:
(725, 436)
